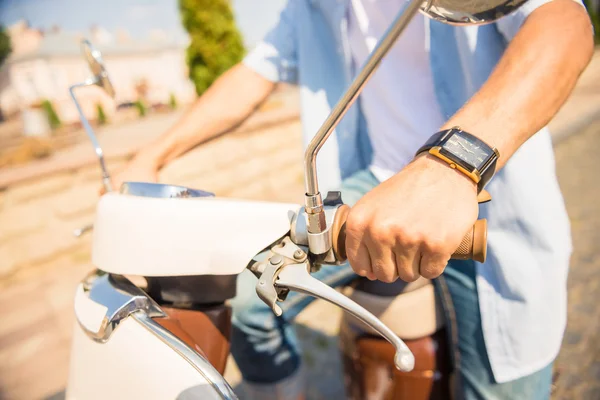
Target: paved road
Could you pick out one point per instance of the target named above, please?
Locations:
(578, 170)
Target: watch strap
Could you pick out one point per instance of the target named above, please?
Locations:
(434, 140)
(487, 175)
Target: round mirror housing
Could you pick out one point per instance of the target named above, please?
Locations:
(96, 64)
(469, 12)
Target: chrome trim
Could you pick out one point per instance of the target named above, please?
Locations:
(196, 360)
(299, 230)
(160, 190)
(123, 299)
(90, 132)
(120, 297)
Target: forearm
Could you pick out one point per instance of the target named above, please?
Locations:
(229, 100)
(532, 80)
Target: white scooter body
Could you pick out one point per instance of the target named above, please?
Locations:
(184, 236)
(146, 236)
(133, 364)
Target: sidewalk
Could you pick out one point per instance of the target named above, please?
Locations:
(582, 107)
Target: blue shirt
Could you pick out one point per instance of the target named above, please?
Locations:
(522, 285)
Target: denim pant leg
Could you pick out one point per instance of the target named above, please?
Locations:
(264, 346)
(475, 379)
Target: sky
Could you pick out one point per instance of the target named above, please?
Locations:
(254, 17)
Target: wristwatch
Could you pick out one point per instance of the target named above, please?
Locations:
(465, 153)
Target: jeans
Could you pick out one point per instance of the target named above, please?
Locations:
(266, 350)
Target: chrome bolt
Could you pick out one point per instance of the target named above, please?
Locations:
(276, 259)
(298, 254)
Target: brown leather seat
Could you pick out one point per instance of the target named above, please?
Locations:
(414, 313)
(372, 374)
(411, 310)
(207, 331)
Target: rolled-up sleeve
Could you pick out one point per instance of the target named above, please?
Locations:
(510, 24)
(275, 56)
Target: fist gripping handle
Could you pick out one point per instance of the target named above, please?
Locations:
(472, 247)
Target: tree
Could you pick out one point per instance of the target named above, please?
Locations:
(594, 16)
(216, 44)
(5, 46)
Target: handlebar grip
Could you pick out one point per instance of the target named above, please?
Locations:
(473, 245)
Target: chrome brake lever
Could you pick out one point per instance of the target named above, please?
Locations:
(296, 277)
(281, 273)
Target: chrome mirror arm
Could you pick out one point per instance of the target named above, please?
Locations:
(318, 241)
(90, 131)
(92, 136)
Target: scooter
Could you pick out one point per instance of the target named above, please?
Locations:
(169, 338)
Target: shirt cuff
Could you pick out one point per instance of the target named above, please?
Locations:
(509, 25)
(265, 60)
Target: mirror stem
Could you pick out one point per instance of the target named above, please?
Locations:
(313, 200)
(90, 131)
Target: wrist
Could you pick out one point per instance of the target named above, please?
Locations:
(148, 158)
(445, 171)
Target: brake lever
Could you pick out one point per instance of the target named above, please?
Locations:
(281, 273)
(296, 277)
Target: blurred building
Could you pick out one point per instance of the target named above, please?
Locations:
(43, 65)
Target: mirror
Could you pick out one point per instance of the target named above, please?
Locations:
(469, 12)
(96, 64)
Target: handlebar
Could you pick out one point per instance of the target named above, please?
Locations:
(473, 245)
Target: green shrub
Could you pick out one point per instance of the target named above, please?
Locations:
(216, 44)
(139, 105)
(101, 116)
(5, 45)
(595, 17)
(172, 101)
(51, 113)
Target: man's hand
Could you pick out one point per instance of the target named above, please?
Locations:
(410, 225)
(138, 170)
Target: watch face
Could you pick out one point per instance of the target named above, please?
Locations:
(470, 150)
